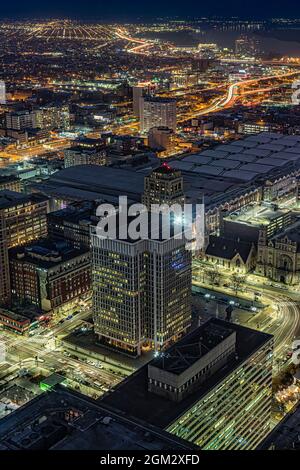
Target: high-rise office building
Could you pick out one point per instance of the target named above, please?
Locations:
(156, 112)
(213, 388)
(138, 92)
(141, 292)
(163, 186)
(22, 219)
(2, 92)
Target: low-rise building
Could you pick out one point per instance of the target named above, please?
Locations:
(14, 321)
(10, 182)
(232, 254)
(73, 224)
(49, 274)
(279, 256)
(212, 388)
(86, 152)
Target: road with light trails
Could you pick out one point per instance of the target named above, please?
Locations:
(41, 350)
(283, 321)
(141, 44)
(57, 360)
(232, 95)
(122, 34)
(31, 152)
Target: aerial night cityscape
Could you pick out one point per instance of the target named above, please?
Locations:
(149, 230)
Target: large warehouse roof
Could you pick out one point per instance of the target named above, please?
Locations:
(220, 174)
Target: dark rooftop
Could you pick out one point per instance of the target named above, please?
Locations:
(226, 248)
(160, 227)
(158, 99)
(85, 150)
(181, 356)
(286, 434)
(66, 420)
(8, 178)
(12, 198)
(166, 169)
(88, 141)
(45, 253)
(100, 179)
(74, 213)
(133, 398)
(200, 175)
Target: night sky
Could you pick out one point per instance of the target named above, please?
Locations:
(118, 9)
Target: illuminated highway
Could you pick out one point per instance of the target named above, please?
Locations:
(122, 34)
(141, 44)
(15, 155)
(233, 93)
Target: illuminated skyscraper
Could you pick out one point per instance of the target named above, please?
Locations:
(138, 92)
(2, 92)
(137, 95)
(141, 292)
(163, 186)
(156, 112)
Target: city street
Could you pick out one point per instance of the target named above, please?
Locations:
(280, 317)
(44, 351)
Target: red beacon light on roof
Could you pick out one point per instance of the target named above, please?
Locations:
(165, 166)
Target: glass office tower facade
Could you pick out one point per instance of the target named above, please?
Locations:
(235, 414)
(141, 292)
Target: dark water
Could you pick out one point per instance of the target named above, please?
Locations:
(180, 38)
(285, 42)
